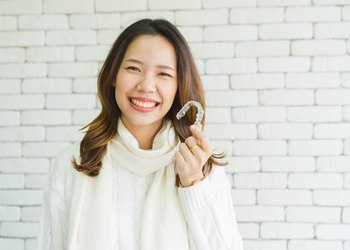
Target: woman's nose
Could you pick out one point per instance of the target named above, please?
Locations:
(147, 84)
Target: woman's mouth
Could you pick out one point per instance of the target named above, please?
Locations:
(141, 104)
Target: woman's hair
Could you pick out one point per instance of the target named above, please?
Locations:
(104, 127)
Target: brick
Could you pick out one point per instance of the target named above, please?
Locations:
(30, 244)
(173, 5)
(215, 82)
(85, 85)
(333, 232)
(335, 63)
(225, 33)
(9, 118)
(288, 164)
(82, 117)
(8, 23)
(95, 21)
(284, 197)
(231, 98)
(32, 165)
(20, 7)
(243, 164)
(314, 244)
(107, 36)
(285, 31)
(120, 5)
(10, 149)
(332, 30)
(218, 115)
(327, 2)
(315, 147)
(330, 131)
(315, 181)
(20, 102)
(45, 117)
(346, 113)
(313, 214)
(346, 215)
(313, 14)
(347, 181)
(7, 243)
(66, 6)
(256, 15)
(10, 86)
(284, 64)
(283, 2)
(287, 230)
(22, 134)
(259, 180)
(285, 131)
(265, 244)
(11, 55)
(50, 54)
(257, 81)
(231, 131)
(333, 97)
(47, 85)
(36, 181)
(9, 213)
(19, 229)
(231, 66)
(314, 114)
(347, 245)
(8, 181)
(92, 53)
(259, 213)
(249, 230)
(318, 48)
(212, 50)
(346, 13)
(312, 80)
(201, 17)
(345, 79)
(228, 3)
(347, 147)
(31, 214)
(71, 37)
(259, 147)
(262, 48)
(286, 97)
(73, 101)
(22, 38)
(331, 197)
(222, 146)
(76, 69)
(127, 18)
(200, 66)
(259, 114)
(21, 197)
(63, 134)
(243, 197)
(43, 149)
(23, 70)
(42, 22)
(333, 164)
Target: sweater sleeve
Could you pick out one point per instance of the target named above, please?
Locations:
(52, 229)
(208, 209)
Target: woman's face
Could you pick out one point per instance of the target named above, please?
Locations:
(146, 82)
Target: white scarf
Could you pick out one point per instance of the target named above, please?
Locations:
(163, 226)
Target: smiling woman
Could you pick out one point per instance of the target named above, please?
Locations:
(141, 178)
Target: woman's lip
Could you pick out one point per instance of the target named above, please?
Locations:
(142, 99)
(142, 109)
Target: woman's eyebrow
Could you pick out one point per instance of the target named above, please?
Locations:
(158, 66)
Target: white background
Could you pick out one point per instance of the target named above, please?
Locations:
(277, 80)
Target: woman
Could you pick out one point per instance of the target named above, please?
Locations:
(140, 178)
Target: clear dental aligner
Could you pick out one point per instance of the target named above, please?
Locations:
(186, 107)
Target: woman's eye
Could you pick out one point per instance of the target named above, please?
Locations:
(133, 68)
(165, 74)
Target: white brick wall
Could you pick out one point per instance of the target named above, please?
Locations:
(277, 80)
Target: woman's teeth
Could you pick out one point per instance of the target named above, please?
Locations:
(143, 104)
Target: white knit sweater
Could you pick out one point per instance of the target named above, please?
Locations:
(207, 207)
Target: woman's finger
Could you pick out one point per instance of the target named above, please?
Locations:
(203, 140)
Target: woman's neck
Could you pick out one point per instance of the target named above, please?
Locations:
(143, 134)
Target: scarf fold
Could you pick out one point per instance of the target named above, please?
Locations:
(163, 226)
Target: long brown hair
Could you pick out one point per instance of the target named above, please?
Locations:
(104, 127)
